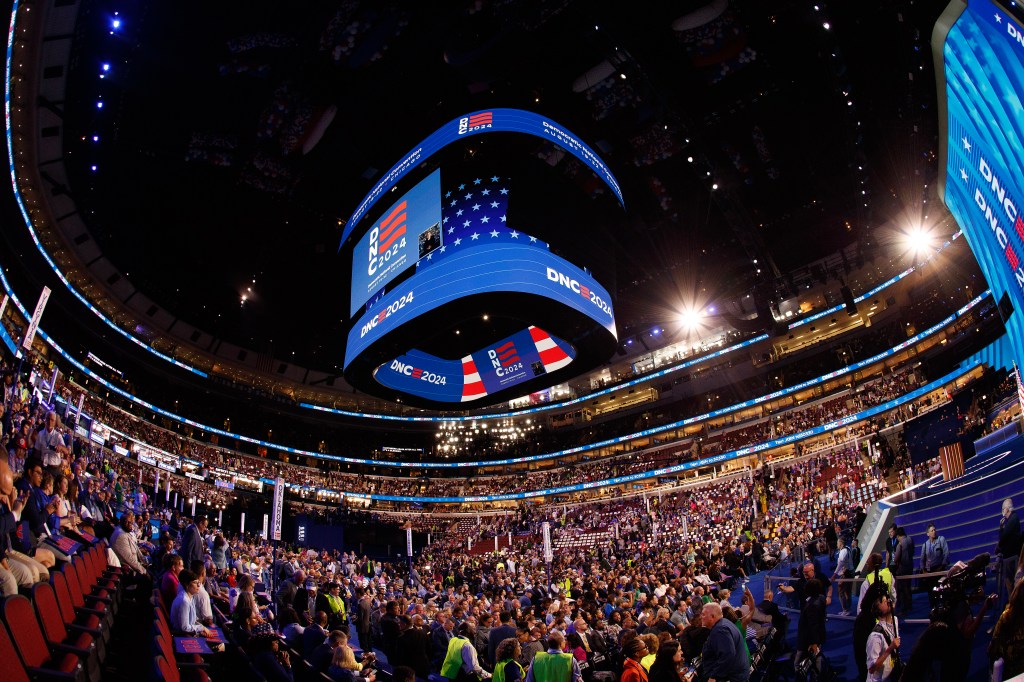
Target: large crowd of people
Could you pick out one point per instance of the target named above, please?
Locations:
(636, 586)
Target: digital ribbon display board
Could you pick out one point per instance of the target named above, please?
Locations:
(478, 123)
(979, 51)
(525, 355)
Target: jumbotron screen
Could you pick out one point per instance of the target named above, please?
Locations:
(981, 46)
(409, 230)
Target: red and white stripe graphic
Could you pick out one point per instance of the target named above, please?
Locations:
(472, 385)
(551, 354)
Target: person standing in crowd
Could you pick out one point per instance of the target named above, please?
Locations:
(507, 668)
(193, 547)
(499, 634)
(874, 572)
(1009, 545)
(554, 665)
(364, 616)
(724, 656)
(460, 662)
(890, 548)
(904, 564)
(412, 648)
(50, 444)
(844, 569)
(811, 627)
(865, 623)
(934, 558)
(883, 643)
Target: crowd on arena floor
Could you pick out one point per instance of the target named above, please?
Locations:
(656, 588)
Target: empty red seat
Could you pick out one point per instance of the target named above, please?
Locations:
(82, 600)
(85, 618)
(30, 644)
(75, 639)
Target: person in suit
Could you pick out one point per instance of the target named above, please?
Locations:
(499, 634)
(389, 629)
(412, 647)
(193, 547)
(440, 639)
(364, 619)
(315, 634)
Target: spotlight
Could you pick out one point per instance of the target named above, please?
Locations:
(106, 67)
(116, 23)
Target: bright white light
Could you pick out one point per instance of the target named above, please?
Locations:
(826, 26)
(106, 67)
(691, 318)
(918, 239)
(99, 105)
(116, 23)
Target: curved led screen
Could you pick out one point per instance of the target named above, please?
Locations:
(476, 123)
(981, 47)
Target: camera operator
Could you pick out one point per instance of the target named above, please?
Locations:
(944, 650)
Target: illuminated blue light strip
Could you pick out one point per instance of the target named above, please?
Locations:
(31, 229)
(686, 466)
(517, 460)
(889, 282)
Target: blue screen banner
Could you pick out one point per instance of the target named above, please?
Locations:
(409, 230)
(498, 261)
(981, 47)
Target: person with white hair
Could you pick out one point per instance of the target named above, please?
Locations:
(1009, 543)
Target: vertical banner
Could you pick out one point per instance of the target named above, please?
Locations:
(242, 525)
(277, 510)
(193, 507)
(266, 522)
(30, 335)
(1020, 387)
(78, 410)
(408, 542)
(220, 518)
(548, 554)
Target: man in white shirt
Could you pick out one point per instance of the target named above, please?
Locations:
(50, 443)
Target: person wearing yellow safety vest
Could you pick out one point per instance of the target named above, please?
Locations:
(332, 603)
(460, 662)
(554, 665)
(873, 570)
(508, 669)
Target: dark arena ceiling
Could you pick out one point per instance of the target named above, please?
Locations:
(751, 140)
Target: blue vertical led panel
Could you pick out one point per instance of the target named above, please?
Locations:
(979, 53)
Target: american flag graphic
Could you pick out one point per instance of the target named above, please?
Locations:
(1020, 387)
(392, 227)
(481, 119)
(475, 211)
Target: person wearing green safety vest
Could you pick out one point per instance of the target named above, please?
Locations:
(332, 603)
(873, 570)
(554, 665)
(460, 662)
(508, 669)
